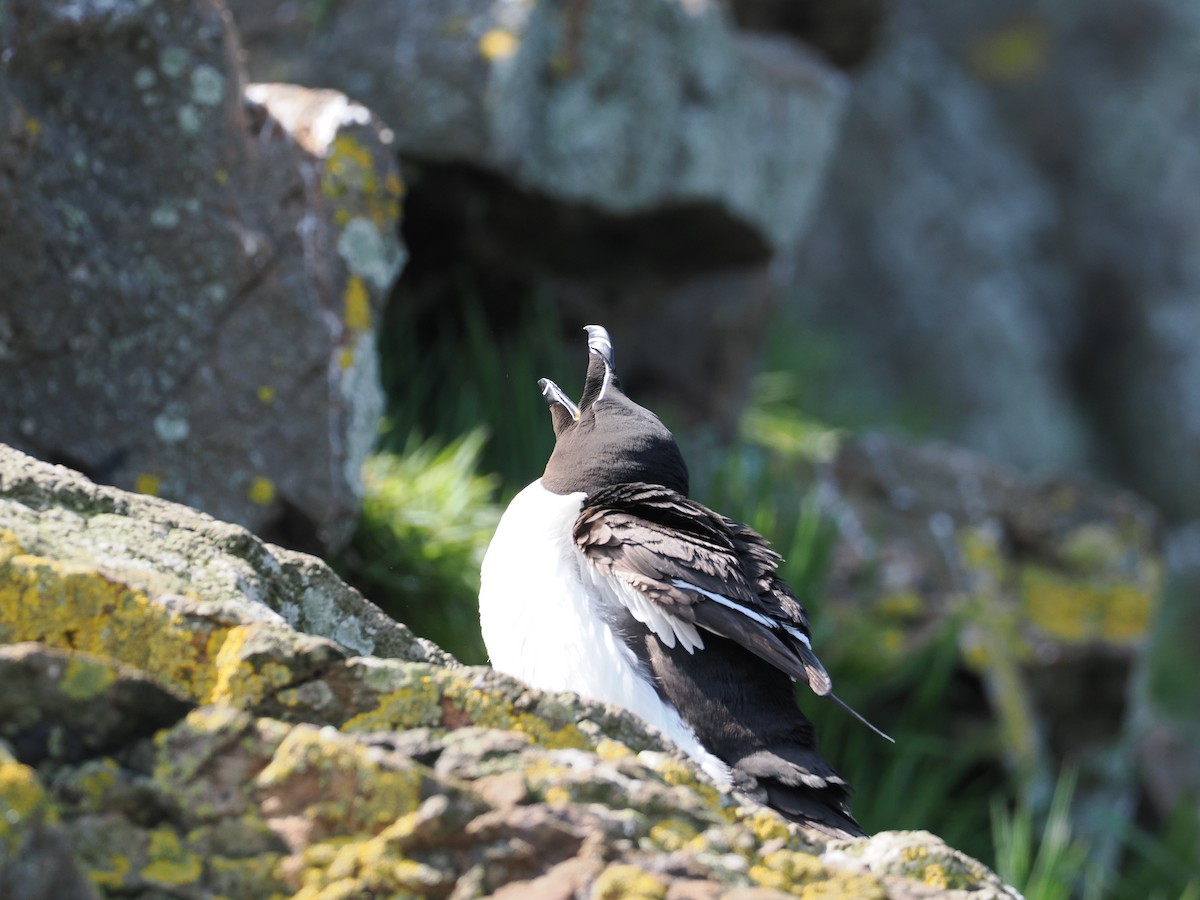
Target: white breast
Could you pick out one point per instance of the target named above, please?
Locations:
(540, 623)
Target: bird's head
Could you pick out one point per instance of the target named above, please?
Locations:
(607, 439)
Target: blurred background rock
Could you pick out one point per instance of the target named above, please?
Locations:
(824, 234)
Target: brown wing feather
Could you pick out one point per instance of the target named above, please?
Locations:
(651, 538)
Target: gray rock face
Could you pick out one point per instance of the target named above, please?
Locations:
(1012, 198)
(625, 106)
(931, 264)
(189, 274)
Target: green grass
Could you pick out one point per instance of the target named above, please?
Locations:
(461, 372)
(427, 518)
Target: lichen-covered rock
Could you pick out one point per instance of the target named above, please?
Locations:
(204, 747)
(1052, 587)
(167, 588)
(191, 272)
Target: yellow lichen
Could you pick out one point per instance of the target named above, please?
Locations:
(844, 887)
(266, 393)
(358, 304)
(1012, 54)
(171, 862)
(83, 679)
(92, 782)
(612, 751)
(766, 825)
(935, 876)
(74, 607)
(394, 184)
(238, 683)
(902, 605)
(981, 552)
(670, 835)
(345, 358)
(23, 800)
(147, 483)
(557, 795)
(112, 876)
(622, 881)
(497, 44)
(352, 176)
(487, 710)
(786, 869)
(261, 491)
(355, 791)
(413, 705)
(1074, 610)
(676, 773)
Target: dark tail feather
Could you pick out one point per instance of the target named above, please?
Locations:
(812, 811)
(848, 708)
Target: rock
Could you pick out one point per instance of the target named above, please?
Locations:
(636, 162)
(1006, 188)
(145, 568)
(1127, 233)
(265, 760)
(1053, 588)
(68, 707)
(931, 276)
(36, 860)
(191, 271)
(628, 108)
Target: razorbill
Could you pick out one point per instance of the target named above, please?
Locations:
(604, 579)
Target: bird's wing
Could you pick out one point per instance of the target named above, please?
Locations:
(680, 569)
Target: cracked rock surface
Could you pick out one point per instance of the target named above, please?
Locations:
(190, 270)
(203, 714)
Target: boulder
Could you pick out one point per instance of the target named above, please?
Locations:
(1007, 223)
(191, 271)
(1052, 588)
(636, 162)
(930, 296)
(625, 107)
(218, 749)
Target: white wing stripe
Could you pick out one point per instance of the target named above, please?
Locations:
(798, 635)
(725, 601)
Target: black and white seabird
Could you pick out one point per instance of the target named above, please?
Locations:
(604, 579)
